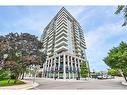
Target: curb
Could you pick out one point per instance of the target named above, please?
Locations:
(71, 80)
(28, 84)
(124, 83)
(33, 85)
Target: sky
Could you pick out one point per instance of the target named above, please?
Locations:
(102, 28)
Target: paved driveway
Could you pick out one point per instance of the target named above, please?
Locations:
(86, 84)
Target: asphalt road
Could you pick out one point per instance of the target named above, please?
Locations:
(93, 84)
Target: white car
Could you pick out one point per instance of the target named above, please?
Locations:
(100, 77)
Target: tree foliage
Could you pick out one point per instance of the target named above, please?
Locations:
(4, 74)
(23, 50)
(113, 72)
(117, 58)
(83, 69)
(122, 8)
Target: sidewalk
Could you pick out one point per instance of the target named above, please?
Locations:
(124, 83)
(28, 85)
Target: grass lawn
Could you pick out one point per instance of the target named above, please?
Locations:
(5, 82)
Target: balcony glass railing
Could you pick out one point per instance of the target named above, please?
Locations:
(63, 43)
(62, 27)
(62, 34)
(61, 39)
(62, 48)
(61, 16)
(59, 32)
(61, 22)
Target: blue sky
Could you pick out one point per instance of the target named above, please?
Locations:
(102, 28)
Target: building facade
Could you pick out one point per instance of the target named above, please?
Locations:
(64, 44)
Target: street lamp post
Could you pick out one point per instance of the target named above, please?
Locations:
(35, 71)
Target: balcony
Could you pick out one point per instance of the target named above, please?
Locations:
(83, 45)
(50, 35)
(61, 16)
(49, 53)
(61, 21)
(62, 30)
(50, 49)
(77, 39)
(49, 46)
(61, 39)
(62, 34)
(50, 42)
(62, 48)
(76, 32)
(77, 45)
(51, 32)
(62, 43)
(62, 26)
(78, 51)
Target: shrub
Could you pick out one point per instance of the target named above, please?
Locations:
(4, 74)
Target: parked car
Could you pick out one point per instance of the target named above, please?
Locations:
(102, 77)
(111, 77)
(99, 77)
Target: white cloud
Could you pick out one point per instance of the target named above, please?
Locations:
(102, 33)
(98, 42)
(97, 39)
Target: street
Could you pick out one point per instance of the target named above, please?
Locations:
(84, 84)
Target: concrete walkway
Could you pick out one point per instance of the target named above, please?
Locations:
(28, 85)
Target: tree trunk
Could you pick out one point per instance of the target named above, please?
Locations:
(16, 78)
(22, 75)
(124, 76)
(15, 81)
(9, 80)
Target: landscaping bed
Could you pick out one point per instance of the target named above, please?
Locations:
(11, 83)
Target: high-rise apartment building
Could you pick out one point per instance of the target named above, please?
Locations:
(64, 45)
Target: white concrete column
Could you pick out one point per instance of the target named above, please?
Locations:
(64, 67)
(58, 66)
(72, 67)
(54, 67)
(75, 67)
(79, 66)
(51, 66)
(48, 68)
(68, 65)
(44, 69)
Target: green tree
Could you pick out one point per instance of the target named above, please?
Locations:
(122, 8)
(23, 50)
(117, 58)
(30, 51)
(84, 69)
(113, 72)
